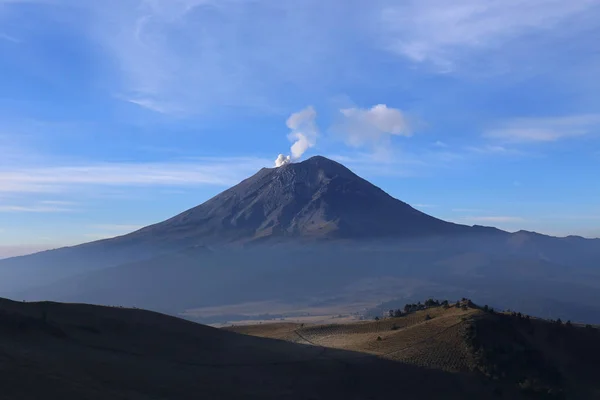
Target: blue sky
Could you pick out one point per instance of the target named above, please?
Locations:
(116, 114)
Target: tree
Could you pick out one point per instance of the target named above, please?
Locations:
(430, 303)
(569, 324)
(559, 321)
(391, 313)
(407, 309)
(398, 313)
(376, 318)
(486, 308)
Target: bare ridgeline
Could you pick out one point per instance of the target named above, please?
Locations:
(305, 236)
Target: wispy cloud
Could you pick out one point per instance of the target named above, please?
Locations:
(425, 205)
(203, 171)
(495, 150)
(36, 208)
(189, 56)
(372, 128)
(4, 36)
(466, 210)
(442, 32)
(544, 129)
(494, 218)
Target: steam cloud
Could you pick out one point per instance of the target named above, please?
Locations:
(304, 133)
(282, 160)
(373, 126)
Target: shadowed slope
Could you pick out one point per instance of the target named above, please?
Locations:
(80, 351)
(514, 353)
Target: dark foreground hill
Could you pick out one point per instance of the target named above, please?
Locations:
(513, 354)
(76, 351)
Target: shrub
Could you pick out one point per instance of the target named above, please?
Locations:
(379, 338)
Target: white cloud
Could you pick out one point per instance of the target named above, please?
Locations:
(61, 178)
(440, 31)
(466, 210)
(372, 127)
(498, 219)
(495, 150)
(425, 205)
(36, 208)
(544, 129)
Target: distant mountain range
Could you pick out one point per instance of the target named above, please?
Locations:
(305, 231)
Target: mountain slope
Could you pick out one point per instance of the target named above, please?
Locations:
(516, 354)
(77, 351)
(317, 198)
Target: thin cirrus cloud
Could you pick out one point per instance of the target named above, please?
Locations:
(494, 219)
(544, 129)
(185, 57)
(36, 208)
(9, 38)
(442, 32)
(65, 178)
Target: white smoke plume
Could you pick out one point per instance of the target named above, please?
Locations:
(282, 160)
(304, 133)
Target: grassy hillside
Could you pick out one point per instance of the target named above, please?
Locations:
(513, 354)
(77, 351)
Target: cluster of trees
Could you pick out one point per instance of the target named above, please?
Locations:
(412, 307)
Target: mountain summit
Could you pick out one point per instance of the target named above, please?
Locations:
(316, 198)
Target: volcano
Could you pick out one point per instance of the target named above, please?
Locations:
(311, 232)
(314, 199)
